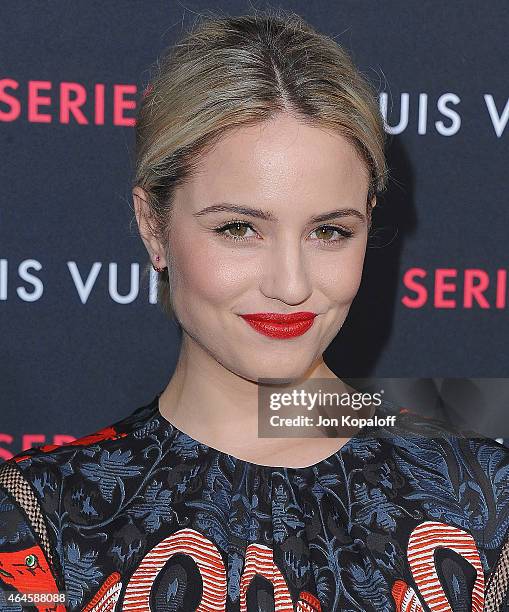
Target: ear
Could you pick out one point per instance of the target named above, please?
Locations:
(151, 242)
(373, 201)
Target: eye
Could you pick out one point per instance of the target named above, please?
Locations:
(325, 231)
(237, 230)
(31, 561)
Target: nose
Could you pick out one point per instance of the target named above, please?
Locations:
(285, 274)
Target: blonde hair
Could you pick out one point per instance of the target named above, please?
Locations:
(236, 71)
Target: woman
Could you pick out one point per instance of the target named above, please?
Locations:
(260, 154)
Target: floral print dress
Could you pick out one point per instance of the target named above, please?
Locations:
(141, 516)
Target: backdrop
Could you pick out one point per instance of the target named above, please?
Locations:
(84, 342)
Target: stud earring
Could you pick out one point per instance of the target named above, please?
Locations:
(156, 268)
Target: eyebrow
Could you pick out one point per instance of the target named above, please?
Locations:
(268, 216)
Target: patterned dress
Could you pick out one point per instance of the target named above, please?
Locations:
(141, 516)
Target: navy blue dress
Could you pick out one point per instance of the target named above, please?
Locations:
(140, 516)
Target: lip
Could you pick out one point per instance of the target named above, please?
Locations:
(277, 325)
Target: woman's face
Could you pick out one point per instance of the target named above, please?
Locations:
(284, 264)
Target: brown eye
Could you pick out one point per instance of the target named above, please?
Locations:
(237, 229)
(325, 233)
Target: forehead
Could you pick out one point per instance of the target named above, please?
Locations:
(281, 162)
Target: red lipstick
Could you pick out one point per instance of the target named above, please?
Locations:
(277, 325)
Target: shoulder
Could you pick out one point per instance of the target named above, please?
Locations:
(434, 447)
(124, 428)
(47, 489)
(459, 476)
(52, 458)
(52, 470)
(399, 423)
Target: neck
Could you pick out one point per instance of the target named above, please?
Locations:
(215, 405)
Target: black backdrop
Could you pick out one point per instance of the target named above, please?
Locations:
(83, 342)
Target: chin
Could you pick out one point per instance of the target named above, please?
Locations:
(286, 371)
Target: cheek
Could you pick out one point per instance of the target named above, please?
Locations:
(339, 276)
(205, 271)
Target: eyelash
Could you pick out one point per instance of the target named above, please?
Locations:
(345, 234)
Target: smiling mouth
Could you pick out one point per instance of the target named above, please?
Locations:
(5, 573)
(275, 325)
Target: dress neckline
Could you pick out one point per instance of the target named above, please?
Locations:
(260, 466)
